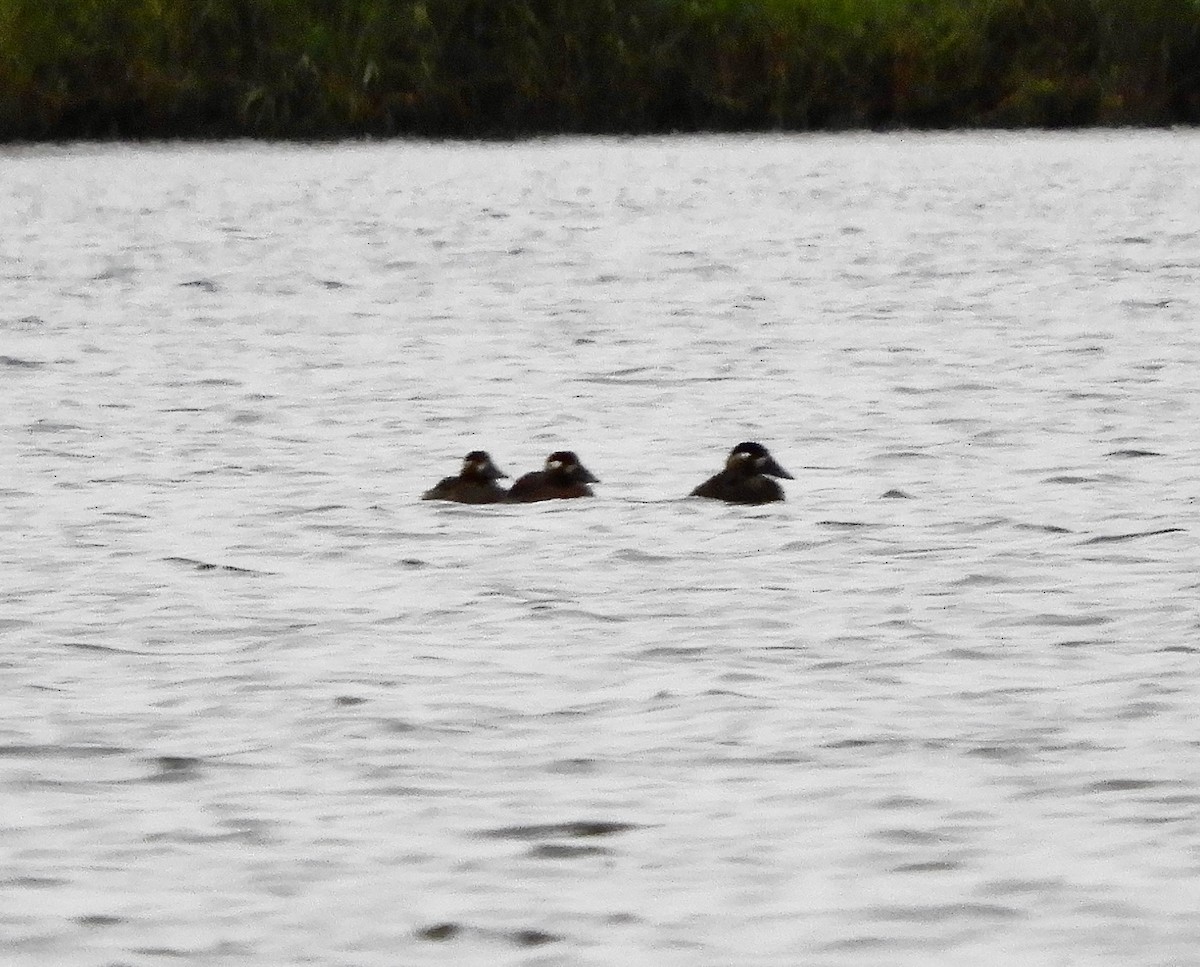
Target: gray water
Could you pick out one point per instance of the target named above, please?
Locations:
(260, 705)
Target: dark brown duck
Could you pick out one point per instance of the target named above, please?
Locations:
(564, 476)
(746, 478)
(475, 483)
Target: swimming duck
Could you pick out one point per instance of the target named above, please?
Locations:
(746, 478)
(564, 476)
(475, 483)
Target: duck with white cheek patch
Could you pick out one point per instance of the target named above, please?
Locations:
(746, 478)
(563, 477)
(475, 483)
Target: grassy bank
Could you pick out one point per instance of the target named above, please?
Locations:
(328, 68)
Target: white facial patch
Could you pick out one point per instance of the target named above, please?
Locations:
(553, 464)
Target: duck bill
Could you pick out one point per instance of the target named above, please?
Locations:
(586, 475)
(492, 472)
(775, 470)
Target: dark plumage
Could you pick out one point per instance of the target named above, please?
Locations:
(475, 483)
(746, 478)
(564, 476)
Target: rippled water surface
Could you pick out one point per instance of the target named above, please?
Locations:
(260, 705)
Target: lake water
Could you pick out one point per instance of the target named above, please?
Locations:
(260, 705)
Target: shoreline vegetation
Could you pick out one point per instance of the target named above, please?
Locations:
(314, 69)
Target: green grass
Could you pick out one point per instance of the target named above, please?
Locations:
(331, 68)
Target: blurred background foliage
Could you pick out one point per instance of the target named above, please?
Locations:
(499, 68)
